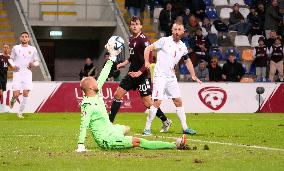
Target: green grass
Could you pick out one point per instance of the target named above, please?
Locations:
(48, 141)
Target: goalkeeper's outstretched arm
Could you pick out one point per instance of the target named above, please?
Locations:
(104, 74)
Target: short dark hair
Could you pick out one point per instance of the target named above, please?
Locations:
(135, 18)
(24, 32)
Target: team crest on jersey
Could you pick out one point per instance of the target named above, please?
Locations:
(179, 49)
(146, 43)
(30, 52)
(134, 44)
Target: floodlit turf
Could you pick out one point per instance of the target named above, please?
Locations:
(47, 142)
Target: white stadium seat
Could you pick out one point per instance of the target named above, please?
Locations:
(157, 12)
(244, 12)
(241, 40)
(240, 2)
(254, 40)
(220, 2)
(225, 13)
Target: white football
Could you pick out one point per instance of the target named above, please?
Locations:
(117, 42)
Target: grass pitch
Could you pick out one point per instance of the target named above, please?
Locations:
(224, 142)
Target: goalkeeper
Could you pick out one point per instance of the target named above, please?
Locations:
(95, 117)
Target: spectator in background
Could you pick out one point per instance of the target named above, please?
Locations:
(183, 71)
(260, 60)
(201, 46)
(114, 72)
(186, 16)
(254, 21)
(167, 18)
(261, 14)
(272, 36)
(272, 18)
(215, 71)
(232, 70)
(237, 21)
(88, 70)
(209, 31)
(276, 53)
(197, 7)
(134, 7)
(179, 20)
(192, 26)
(201, 71)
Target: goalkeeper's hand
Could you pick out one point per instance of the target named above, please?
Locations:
(81, 148)
(112, 52)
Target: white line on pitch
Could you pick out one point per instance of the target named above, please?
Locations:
(225, 143)
(30, 135)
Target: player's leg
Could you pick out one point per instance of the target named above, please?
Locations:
(123, 129)
(27, 85)
(116, 103)
(2, 98)
(146, 144)
(24, 101)
(125, 85)
(16, 89)
(173, 91)
(145, 94)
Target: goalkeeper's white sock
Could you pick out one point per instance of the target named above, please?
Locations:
(182, 117)
(23, 104)
(151, 116)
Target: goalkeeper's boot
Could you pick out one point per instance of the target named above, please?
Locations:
(181, 143)
(166, 125)
(12, 102)
(189, 131)
(147, 132)
(20, 115)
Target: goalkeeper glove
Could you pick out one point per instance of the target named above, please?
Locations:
(81, 148)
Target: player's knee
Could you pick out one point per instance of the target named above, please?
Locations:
(135, 142)
(157, 103)
(177, 102)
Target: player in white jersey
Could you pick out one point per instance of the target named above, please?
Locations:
(23, 57)
(170, 50)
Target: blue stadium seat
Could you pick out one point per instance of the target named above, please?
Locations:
(252, 69)
(211, 13)
(233, 50)
(248, 2)
(208, 2)
(216, 52)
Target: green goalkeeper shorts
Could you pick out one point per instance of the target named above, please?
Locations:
(117, 140)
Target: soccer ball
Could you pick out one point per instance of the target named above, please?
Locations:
(116, 42)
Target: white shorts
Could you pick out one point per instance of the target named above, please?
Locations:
(22, 80)
(165, 88)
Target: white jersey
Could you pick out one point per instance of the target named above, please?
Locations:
(22, 56)
(168, 55)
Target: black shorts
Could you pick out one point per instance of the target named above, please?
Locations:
(3, 85)
(142, 83)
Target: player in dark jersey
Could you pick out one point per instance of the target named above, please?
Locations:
(4, 63)
(138, 76)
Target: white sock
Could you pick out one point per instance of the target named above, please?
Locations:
(23, 104)
(151, 116)
(182, 117)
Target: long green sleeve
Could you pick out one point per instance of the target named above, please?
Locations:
(104, 74)
(85, 121)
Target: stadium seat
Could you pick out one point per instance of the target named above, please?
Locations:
(216, 52)
(211, 13)
(254, 40)
(157, 12)
(240, 2)
(225, 13)
(247, 55)
(232, 50)
(244, 12)
(241, 40)
(208, 2)
(220, 2)
(248, 2)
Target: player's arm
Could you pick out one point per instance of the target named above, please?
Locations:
(104, 74)
(190, 68)
(147, 52)
(11, 60)
(122, 64)
(35, 60)
(85, 121)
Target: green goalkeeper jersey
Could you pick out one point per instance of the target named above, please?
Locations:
(94, 114)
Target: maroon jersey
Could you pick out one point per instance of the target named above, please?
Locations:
(137, 46)
(277, 53)
(260, 56)
(3, 67)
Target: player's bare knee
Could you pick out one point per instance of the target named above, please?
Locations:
(135, 142)
(177, 102)
(147, 103)
(119, 93)
(157, 103)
